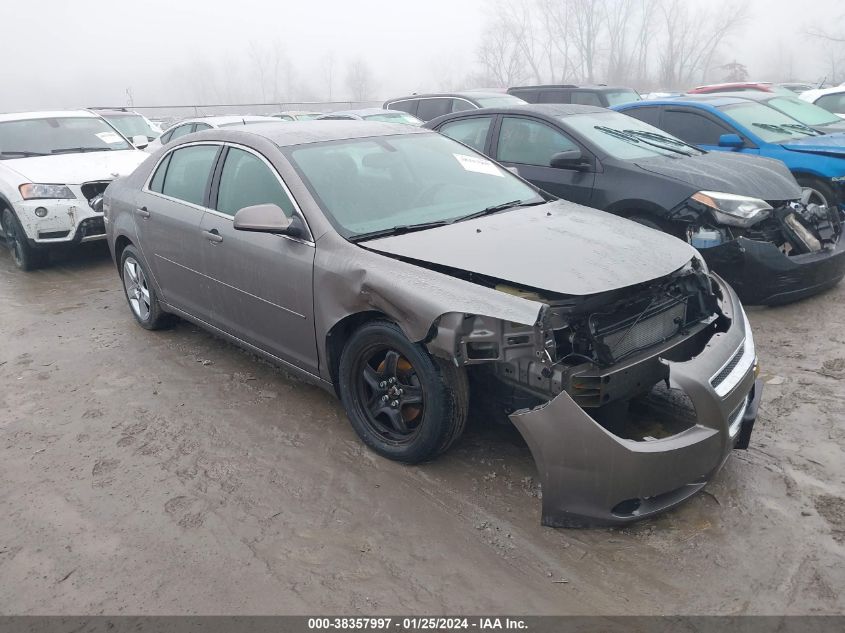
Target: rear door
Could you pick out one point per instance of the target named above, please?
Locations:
(168, 224)
(261, 284)
(527, 145)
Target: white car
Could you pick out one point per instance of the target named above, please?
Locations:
(205, 123)
(54, 166)
(831, 99)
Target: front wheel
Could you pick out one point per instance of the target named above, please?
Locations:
(140, 293)
(403, 403)
(25, 256)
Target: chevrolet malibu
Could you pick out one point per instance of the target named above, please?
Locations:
(413, 277)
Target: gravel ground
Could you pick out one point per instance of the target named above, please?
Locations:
(171, 473)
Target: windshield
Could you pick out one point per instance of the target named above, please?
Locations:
(618, 97)
(804, 112)
(60, 135)
(131, 125)
(498, 101)
(306, 117)
(626, 138)
(395, 117)
(769, 124)
(379, 183)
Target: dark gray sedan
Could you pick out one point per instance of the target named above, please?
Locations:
(395, 267)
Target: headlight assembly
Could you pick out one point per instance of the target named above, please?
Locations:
(733, 210)
(44, 192)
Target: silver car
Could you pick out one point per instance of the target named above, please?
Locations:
(414, 278)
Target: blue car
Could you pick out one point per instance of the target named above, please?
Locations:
(733, 124)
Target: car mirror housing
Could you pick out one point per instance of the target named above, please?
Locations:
(734, 141)
(570, 159)
(140, 141)
(264, 218)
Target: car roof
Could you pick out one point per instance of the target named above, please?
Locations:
(52, 114)
(597, 87)
(365, 112)
(820, 92)
(295, 112)
(468, 94)
(701, 101)
(306, 132)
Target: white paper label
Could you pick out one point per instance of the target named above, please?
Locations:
(109, 137)
(478, 165)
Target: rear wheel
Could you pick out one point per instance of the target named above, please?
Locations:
(25, 256)
(140, 293)
(403, 403)
(820, 192)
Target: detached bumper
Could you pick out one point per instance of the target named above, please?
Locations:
(762, 275)
(592, 477)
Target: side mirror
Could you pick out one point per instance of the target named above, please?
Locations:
(265, 218)
(732, 141)
(570, 159)
(140, 141)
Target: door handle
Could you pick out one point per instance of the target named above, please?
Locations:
(213, 236)
(143, 212)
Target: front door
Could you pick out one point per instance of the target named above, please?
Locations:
(261, 284)
(528, 145)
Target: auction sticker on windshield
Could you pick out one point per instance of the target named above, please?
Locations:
(478, 165)
(109, 137)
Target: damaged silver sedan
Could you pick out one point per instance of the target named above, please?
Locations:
(415, 278)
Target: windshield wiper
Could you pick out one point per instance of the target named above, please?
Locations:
(803, 128)
(397, 230)
(664, 139)
(771, 127)
(74, 150)
(499, 207)
(636, 140)
(21, 153)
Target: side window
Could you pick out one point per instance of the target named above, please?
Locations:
(201, 126)
(586, 98)
(529, 142)
(165, 138)
(531, 96)
(554, 96)
(459, 105)
(157, 183)
(246, 181)
(188, 173)
(408, 105)
(182, 130)
(692, 127)
(472, 132)
(646, 115)
(432, 108)
(832, 103)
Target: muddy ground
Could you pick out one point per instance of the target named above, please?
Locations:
(169, 472)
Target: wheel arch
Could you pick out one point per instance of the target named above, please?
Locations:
(120, 244)
(339, 334)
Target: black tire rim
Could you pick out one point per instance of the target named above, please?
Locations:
(389, 395)
(14, 240)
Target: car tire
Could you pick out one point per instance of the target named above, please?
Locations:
(822, 193)
(403, 403)
(139, 292)
(25, 256)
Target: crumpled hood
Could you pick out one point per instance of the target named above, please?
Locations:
(740, 174)
(559, 247)
(74, 169)
(829, 144)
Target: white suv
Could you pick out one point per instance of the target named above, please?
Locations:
(54, 167)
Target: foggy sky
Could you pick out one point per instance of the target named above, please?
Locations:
(76, 53)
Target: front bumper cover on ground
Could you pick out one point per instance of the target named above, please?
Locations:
(762, 275)
(590, 476)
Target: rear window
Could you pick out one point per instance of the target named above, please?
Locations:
(618, 97)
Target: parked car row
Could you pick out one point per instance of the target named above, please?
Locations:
(575, 268)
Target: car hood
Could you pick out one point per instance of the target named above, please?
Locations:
(829, 145)
(74, 169)
(558, 247)
(740, 174)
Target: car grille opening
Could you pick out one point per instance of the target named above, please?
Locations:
(52, 235)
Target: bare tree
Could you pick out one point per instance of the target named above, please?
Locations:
(328, 68)
(500, 57)
(359, 80)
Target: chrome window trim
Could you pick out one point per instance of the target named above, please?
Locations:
(309, 240)
(474, 107)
